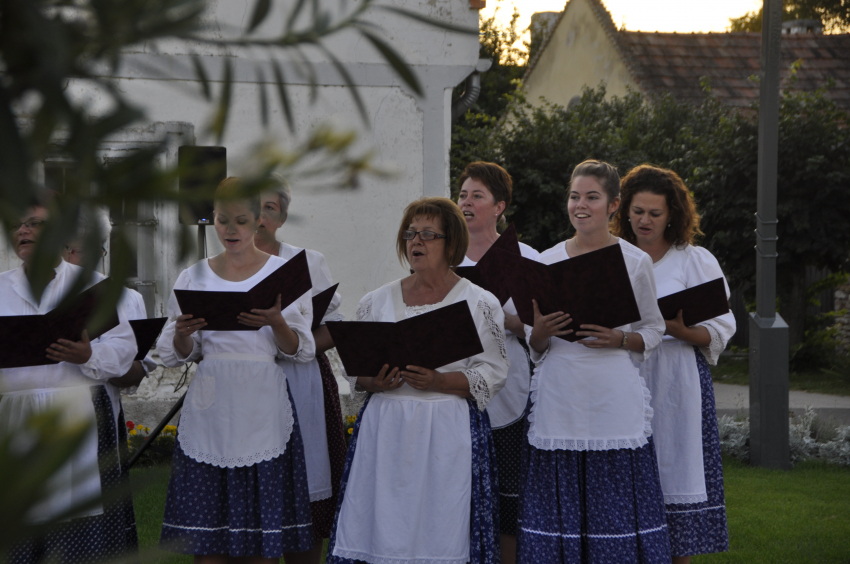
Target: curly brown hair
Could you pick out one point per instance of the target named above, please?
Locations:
(684, 219)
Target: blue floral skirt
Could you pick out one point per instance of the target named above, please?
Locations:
(258, 510)
(484, 513)
(700, 528)
(108, 537)
(592, 506)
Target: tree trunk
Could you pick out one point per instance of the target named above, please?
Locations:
(794, 305)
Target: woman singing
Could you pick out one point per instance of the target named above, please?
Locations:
(238, 490)
(312, 384)
(419, 484)
(591, 491)
(659, 216)
(485, 194)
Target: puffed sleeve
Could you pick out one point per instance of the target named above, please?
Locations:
(299, 316)
(703, 267)
(112, 353)
(488, 371)
(322, 280)
(165, 344)
(651, 325)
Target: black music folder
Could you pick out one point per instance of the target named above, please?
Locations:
(594, 288)
(699, 303)
(220, 309)
(491, 272)
(430, 340)
(24, 339)
(321, 303)
(146, 331)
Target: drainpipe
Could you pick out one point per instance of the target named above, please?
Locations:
(472, 88)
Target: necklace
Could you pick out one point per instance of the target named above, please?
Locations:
(580, 252)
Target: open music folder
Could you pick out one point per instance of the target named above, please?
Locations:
(430, 340)
(24, 339)
(698, 303)
(146, 331)
(490, 272)
(594, 288)
(321, 303)
(221, 309)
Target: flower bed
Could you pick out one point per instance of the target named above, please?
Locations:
(159, 451)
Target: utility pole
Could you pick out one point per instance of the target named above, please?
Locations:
(768, 331)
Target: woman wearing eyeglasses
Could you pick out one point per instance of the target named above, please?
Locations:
(485, 194)
(313, 385)
(75, 386)
(419, 482)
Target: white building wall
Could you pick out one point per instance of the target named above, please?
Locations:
(354, 229)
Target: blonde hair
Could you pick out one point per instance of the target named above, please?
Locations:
(232, 188)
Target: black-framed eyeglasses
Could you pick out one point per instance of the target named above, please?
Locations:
(33, 224)
(410, 235)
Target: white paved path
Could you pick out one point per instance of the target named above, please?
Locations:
(735, 400)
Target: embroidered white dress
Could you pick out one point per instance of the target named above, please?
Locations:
(35, 389)
(237, 410)
(508, 405)
(305, 384)
(673, 379)
(594, 399)
(408, 495)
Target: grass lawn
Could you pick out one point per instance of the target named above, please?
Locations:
(799, 517)
(149, 488)
(736, 370)
(776, 517)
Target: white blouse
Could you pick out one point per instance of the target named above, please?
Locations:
(133, 306)
(672, 376)
(508, 405)
(408, 495)
(485, 373)
(34, 389)
(595, 399)
(305, 384)
(237, 410)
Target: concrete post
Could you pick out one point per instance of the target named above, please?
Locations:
(768, 331)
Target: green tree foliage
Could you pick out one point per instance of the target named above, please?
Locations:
(715, 150)
(813, 195)
(833, 14)
(498, 87)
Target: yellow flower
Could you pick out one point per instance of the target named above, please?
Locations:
(350, 431)
(133, 432)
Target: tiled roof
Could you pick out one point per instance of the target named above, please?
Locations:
(675, 62)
